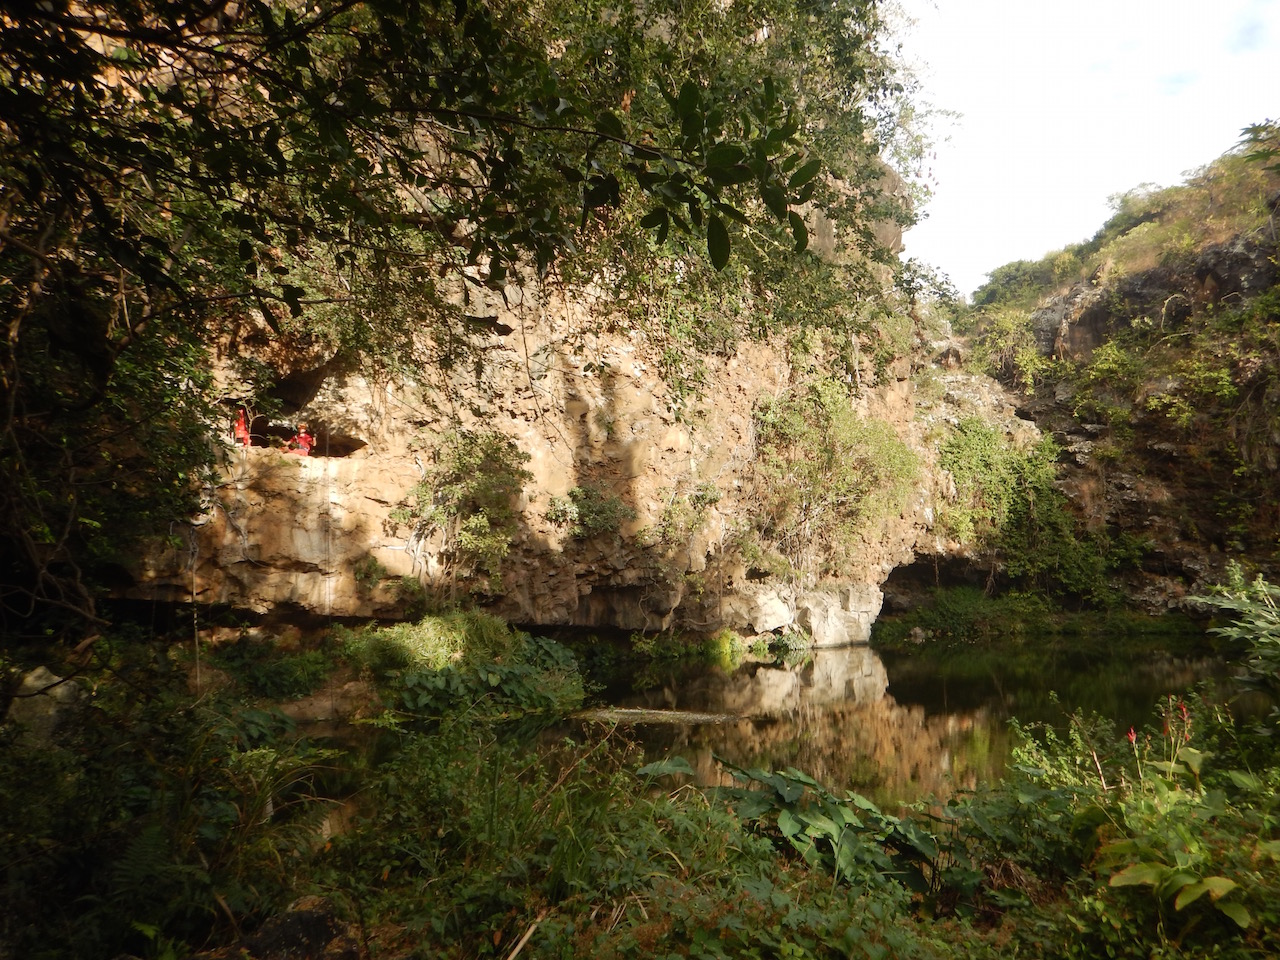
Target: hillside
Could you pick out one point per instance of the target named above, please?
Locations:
(1150, 353)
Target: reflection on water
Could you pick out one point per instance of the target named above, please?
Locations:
(898, 732)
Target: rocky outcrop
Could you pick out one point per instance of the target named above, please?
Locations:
(41, 702)
(1191, 493)
(1072, 324)
(587, 406)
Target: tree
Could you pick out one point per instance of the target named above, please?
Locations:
(169, 166)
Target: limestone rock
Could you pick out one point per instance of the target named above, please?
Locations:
(42, 700)
(840, 617)
(323, 534)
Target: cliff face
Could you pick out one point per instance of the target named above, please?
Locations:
(322, 533)
(1165, 404)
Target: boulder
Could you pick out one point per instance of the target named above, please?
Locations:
(43, 700)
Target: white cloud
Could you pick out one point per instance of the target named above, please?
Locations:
(1065, 105)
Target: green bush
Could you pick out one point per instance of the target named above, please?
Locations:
(1007, 502)
(434, 642)
(263, 671)
(155, 822)
(589, 511)
(470, 495)
(823, 476)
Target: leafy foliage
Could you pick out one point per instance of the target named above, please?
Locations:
(460, 637)
(470, 496)
(1006, 500)
(823, 474)
(1255, 609)
(589, 511)
(152, 812)
(265, 672)
(1152, 226)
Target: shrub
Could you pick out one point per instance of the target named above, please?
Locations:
(1006, 501)
(469, 495)
(822, 475)
(589, 511)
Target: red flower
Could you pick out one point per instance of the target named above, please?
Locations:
(1133, 737)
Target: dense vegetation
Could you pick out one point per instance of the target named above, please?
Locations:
(1153, 226)
(339, 173)
(164, 818)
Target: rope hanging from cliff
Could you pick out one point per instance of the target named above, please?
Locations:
(328, 529)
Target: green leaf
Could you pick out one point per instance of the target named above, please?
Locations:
(654, 218)
(1243, 780)
(798, 230)
(717, 242)
(1175, 882)
(775, 200)
(804, 174)
(663, 229)
(1194, 758)
(688, 101)
(730, 176)
(725, 155)
(789, 824)
(667, 767)
(1219, 887)
(731, 212)
(1237, 912)
(609, 124)
(1139, 874)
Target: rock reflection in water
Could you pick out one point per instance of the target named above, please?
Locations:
(830, 717)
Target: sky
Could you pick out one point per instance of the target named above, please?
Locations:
(1065, 103)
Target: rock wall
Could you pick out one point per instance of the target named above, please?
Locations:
(587, 406)
(1194, 496)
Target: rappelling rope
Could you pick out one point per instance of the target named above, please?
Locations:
(328, 529)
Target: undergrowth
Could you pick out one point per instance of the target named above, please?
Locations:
(167, 823)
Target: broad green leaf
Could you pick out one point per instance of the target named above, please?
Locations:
(667, 767)
(789, 824)
(718, 246)
(655, 218)
(820, 825)
(1219, 887)
(725, 155)
(1243, 780)
(804, 174)
(1139, 874)
(788, 790)
(730, 176)
(862, 803)
(1237, 912)
(791, 773)
(1190, 894)
(849, 817)
(775, 200)
(1194, 758)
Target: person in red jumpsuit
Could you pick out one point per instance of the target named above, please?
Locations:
(301, 442)
(241, 429)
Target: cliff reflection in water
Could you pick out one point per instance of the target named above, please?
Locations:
(831, 717)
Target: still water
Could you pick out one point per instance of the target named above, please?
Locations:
(895, 728)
